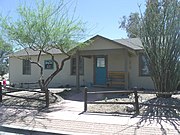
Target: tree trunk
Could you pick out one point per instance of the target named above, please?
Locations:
(45, 89)
(47, 97)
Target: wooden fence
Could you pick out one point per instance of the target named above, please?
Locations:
(135, 103)
(86, 93)
(7, 90)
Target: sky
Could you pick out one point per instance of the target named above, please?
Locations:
(101, 16)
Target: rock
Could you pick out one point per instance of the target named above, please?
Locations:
(129, 108)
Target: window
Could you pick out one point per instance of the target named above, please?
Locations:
(73, 66)
(143, 67)
(26, 67)
(100, 62)
(48, 64)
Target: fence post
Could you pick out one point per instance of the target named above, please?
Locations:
(136, 101)
(85, 99)
(0, 92)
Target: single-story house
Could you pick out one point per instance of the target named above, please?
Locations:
(104, 62)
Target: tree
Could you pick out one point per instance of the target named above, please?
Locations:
(159, 30)
(44, 27)
(130, 24)
(160, 36)
(5, 49)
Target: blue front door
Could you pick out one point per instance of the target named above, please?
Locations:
(100, 70)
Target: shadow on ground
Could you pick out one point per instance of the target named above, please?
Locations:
(75, 95)
(26, 111)
(161, 115)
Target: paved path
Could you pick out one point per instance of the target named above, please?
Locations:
(110, 125)
(75, 127)
(66, 118)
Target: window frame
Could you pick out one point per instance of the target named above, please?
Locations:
(101, 62)
(26, 65)
(142, 65)
(73, 66)
(45, 64)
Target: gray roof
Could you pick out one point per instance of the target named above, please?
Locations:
(33, 53)
(133, 43)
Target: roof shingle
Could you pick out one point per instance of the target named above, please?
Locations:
(134, 43)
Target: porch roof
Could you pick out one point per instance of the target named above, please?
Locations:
(133, 43)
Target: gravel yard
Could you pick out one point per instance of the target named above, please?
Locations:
(144, 110)
(29, 103)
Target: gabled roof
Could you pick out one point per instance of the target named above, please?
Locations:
(130, 43)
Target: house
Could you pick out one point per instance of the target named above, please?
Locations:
(98, 61)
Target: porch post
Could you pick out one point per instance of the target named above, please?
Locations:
(126, 68)
(77, 71)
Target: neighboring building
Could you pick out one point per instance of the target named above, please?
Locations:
(97, 60)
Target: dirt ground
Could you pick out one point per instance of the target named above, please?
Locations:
(151, 111)
(71, 95)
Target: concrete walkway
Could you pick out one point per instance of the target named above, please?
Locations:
(67, 118)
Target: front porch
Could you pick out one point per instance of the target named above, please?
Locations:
(104, 68)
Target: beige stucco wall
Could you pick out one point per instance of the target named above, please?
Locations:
(116, 60)
(102, 44)
(63, 78)
(135, 80)
(15, 70)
